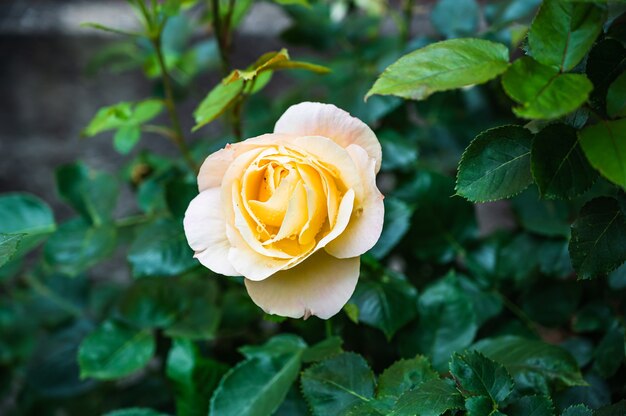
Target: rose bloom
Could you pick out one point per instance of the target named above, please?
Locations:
(292, 211)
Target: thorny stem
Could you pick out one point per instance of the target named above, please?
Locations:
(178, 137)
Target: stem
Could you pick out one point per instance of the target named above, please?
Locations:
(45, 291)
(222, 40)
(329, 328)
(161, 130)
(518, 312)
(132, 220)
(407, 13)
(178, 138)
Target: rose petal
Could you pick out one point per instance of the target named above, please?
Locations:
(206, 232)
(309, 119)
(216, 164)
(366, 223)
(320, 286)
(249, 263)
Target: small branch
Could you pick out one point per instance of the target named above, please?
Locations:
(46, 292)
(222, 41)
(179, 138)
(519, 313)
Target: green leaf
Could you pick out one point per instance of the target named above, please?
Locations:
(616, 97)
(220, 98)
(606, 61)
(123, 114)
(135, 411)
(388, 304)
(160, 249)
(544, 217)
(455, 18)
(322, 350)
(606, 150)
(598, 243)
(182, 306)
(442, 66)
(258, 385)
(609, 353)
(558, 163)
(8, 246)
(479, 375)
(126, 138)
(194, 377)
(481, 406)
(440, 223)
(398, 152)
(578, 410)
(532, 405)
(495, 165)
(115, 350)
(333, 386)
(562, 32)
(532, 364)
(543, 92)
(405, 375)
(76, 246)
(618, 409)
(25, 214)
(92, 194)
(447, 322)
(431, 398)
(395, 225)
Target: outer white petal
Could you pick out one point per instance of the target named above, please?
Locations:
(310, 119)
(320, 286)
(205, 230)
(366, 223)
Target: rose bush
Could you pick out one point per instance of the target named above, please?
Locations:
(292, 211)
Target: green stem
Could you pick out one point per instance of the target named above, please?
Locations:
(178, 138)
(518, 312)
(329, 328)
(407, 13)
(222, 40)
(132, 220)
(46, 292)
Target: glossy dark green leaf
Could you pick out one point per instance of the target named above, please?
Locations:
(439, 218)
(598, 243)
(455, 18)
(395, 226)
(578, 410)
(335, 385)
(115, 350)
(135, 411)
(558, 163)
(616, 409)
(606, 150)
(607, 60)
(616, 97)
(387, 304)
(77, 245)
(531, 405)
(25, 214)
(323, 350)
(481, 406)
(442, 66)
(92, 194)
(532, 364)
(562, 32)
(160, 249)
(398, 151)
(481, 376)
(447, 322)
(259, 384)
(431, 398)
(542, 92)
(495, 165)
(194, 377)
(405, 375)
(610, 354)
(8, 246)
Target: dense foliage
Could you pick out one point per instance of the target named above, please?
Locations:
(517, 311)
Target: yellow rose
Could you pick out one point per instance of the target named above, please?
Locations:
(292, 211)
